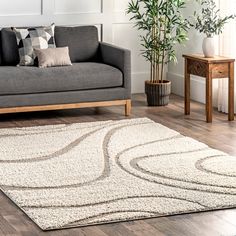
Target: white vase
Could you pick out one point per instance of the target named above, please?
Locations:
(208, 47)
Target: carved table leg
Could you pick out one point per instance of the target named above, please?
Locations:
(209, 95)
(231, 91)
(187, 89)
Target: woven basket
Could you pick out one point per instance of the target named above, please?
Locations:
(158, 93)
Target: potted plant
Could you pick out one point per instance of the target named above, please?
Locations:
(209, 22)
(162, 26)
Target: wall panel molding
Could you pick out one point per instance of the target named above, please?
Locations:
(21, 8)
(65, 7)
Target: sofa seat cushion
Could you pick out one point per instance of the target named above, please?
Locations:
(80, 76)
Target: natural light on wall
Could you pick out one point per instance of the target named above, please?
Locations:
(227, 47)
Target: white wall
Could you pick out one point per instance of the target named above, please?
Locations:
(176, 72)
(114, 27)
(108, 15)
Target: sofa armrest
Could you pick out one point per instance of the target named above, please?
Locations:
(119, 58)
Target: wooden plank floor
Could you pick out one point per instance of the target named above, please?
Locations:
(221, 134)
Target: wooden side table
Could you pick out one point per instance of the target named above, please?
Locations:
(210, 68)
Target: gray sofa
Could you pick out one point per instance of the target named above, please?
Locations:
(100, 75)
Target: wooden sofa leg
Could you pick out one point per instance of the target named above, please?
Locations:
(128, 108)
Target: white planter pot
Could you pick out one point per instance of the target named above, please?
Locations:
(209, 47)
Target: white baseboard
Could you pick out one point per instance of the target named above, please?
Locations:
(197, 86)
(197, 89)
(138, 80)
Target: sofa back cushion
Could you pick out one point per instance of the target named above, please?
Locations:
(0, 48)
(82, 42)
(10, 54)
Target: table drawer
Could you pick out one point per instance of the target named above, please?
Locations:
(197, 68)
(220, 71)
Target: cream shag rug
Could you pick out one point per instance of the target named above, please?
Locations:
(82, 174)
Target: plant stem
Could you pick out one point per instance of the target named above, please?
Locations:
(163, 51)
(151, 72)
(157, 41)
(154, 55)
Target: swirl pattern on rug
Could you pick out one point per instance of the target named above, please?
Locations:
(100, 172)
